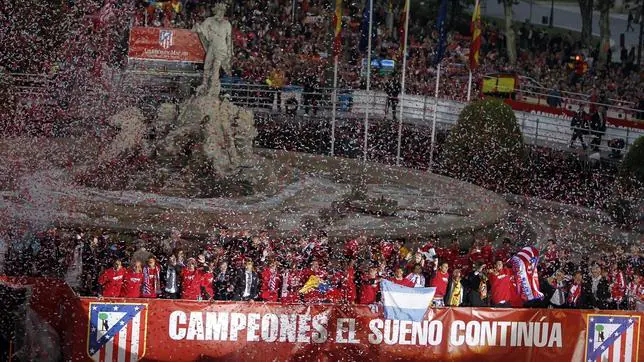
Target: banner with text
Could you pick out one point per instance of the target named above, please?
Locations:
(132, 329)
(174, 45)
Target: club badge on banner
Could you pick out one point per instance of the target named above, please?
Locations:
(161, 330)
(173, 45)
(116, 331)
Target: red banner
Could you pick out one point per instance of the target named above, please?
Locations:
(188, 331)
(161, 330)
(174, 45)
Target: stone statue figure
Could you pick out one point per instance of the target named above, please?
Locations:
(216, 35)
(203, 139)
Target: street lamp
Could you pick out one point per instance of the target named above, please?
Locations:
(552, 11)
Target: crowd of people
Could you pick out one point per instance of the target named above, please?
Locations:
(265, 33)
(312, 268)
(275, 37)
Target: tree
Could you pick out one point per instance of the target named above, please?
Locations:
(633, 164)
(636, 15)
(604, 6)
(486, 145)
(586, 9)
(629, 186)
(424, 13)
(510, 36)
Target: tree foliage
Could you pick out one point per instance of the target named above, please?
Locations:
(604, 6)
(486, 145)
(633, 164)
(510, 35)
(586, 9)
(628, 191)
(424, 14)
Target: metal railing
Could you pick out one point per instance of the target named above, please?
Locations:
(571, 101)
(418, 110)
(352, 104)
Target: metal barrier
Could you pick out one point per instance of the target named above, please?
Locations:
(292, 100)
(572, 102)
(536, 129)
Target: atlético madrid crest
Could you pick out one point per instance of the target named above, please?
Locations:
(117, 331)
(612, 338)
(165, 38)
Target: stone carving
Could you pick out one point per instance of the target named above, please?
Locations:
(357, 200)
(216, 34)
(209, 138)
(131, 137)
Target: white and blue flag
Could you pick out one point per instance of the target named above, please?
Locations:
(403, 303)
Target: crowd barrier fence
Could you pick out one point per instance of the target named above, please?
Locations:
(538, 128)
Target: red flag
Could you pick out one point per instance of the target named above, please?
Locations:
(475, 28)
(337, 28)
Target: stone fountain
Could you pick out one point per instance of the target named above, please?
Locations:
(193, 166)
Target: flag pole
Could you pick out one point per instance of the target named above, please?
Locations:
(333, 103)
(431, 149)
(402, 84)
(469, 86)
(366, 114)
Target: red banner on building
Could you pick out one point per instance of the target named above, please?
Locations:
(174, 45)
(163, 330)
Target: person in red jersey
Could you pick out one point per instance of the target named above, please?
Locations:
(476, 253)
(515, 301)
(574, 291)
(416, 277)
(349, 290)
(191, 281)
(487, 251)
(151, 279)
(370, 287)
(351, 248)
(501, 289)
(399, 278)
(314, 270)
(551, 257)
(635, 293)
(133, 281)
(111, 280)
(439, 281)
(504, 252)
(207, 281)
(454, 251)
(271, 282)
(414, 259)
(315, 295)
(291, 284)
(617, 286)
